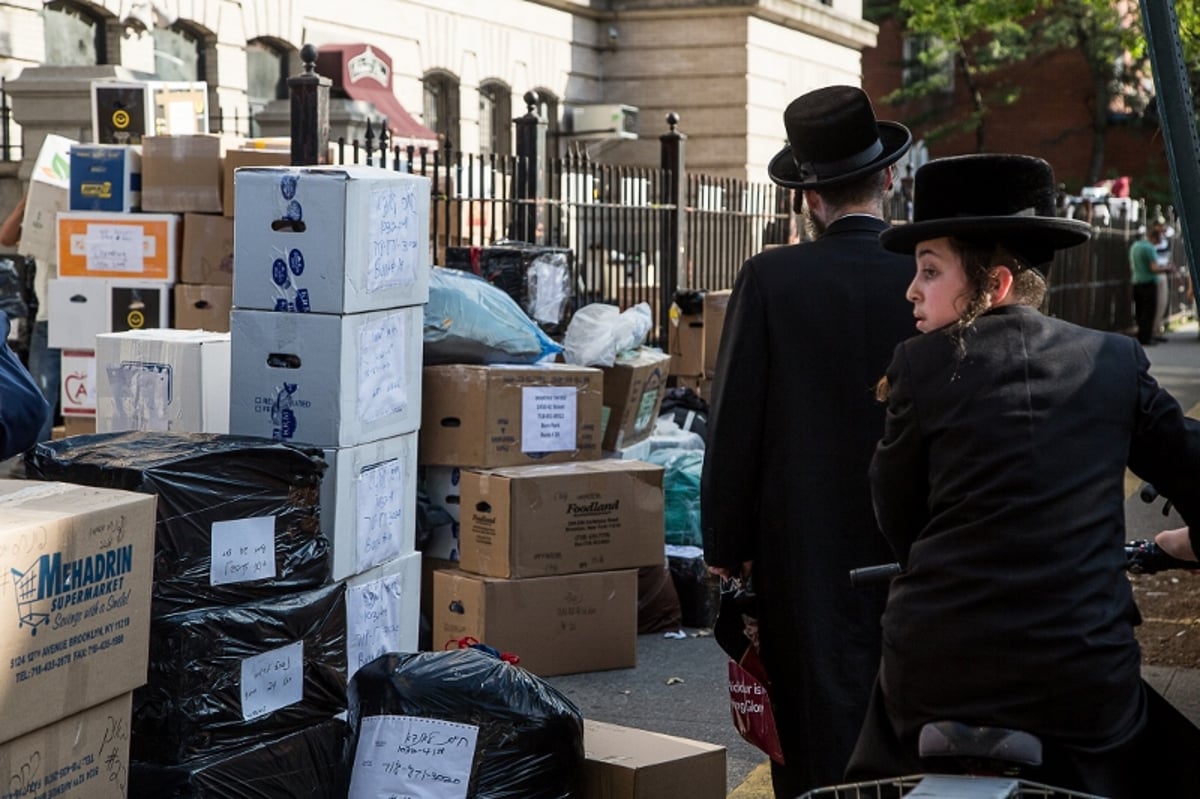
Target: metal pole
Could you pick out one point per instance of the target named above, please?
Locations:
(673, 271)
(1176, 115)
(310, 112)
(529, 223)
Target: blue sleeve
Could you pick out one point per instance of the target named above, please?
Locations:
(23, 409)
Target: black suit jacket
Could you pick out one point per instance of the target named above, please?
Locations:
(1000, 484)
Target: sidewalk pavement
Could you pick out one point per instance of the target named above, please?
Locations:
(679, 686)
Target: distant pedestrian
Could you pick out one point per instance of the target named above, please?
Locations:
(1145, 272)
(784, 495)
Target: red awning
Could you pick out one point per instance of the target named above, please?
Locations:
(363, 72)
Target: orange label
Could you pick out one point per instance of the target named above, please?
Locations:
(117, 245)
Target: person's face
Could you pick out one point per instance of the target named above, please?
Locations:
(939, 292)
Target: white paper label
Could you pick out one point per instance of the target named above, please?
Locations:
(380, 501)
(243, 550)
(394, 239)
(114, 248)
(372, 620)
(141, 393)
(405, 757)
(181, 118)
(548, 415)
(272, 680)
(381, 387)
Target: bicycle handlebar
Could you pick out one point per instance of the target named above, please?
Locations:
(1141, 557)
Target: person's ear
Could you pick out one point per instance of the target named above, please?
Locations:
(1000, 280)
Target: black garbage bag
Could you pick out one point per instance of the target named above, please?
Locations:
(202, 479)
(529, 743)
(309, 764)
(222, 678)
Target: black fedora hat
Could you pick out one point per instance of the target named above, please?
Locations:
(833, 137)
(1003, 198)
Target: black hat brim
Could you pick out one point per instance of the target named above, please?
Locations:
(1035, 237)
(895, 138)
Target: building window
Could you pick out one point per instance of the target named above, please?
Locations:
(74, 35)
(441, 107)
(266, 77)
(495, 118)
(179, 54)
(926, 59)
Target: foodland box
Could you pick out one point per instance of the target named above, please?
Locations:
(76, 564)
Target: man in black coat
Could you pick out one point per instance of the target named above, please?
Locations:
(793, 422)
(999, 482)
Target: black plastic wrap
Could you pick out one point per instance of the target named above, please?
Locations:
(201, 479)
(309, 764)
(192, 706)
(530, 740)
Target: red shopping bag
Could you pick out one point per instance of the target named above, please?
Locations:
(736, 631)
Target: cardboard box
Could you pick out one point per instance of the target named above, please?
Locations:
(368, 503)
(509, 415)
(685, 342)
(83, 756)
(137, 246)
(237, 158)
(557, 625)
(49, 193)
(634, 387)
(125, 112)
(181, 174)
(441, 485)
(162, 380)
(323, 379)
(383, 611)
(77, 563)
(715, 303)
(531, 521)
(77, 383)
(207, 255)
(333, 240)
(81, 308)
(627, 763)
(106, 177)
(202, 307)
(78, 425)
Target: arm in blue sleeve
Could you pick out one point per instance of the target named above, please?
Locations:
(23, 409)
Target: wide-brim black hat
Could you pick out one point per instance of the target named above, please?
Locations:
(1007, 199)
(833, 137)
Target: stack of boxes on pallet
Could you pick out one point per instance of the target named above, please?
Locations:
(694, 337)
(551, 533)
(332, 276)
(76, 627)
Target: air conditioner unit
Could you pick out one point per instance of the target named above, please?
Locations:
(610, 121)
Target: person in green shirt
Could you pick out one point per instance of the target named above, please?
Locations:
(1143, 263)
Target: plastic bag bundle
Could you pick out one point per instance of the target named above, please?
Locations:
(202, 480)
(598, 333)
(468, 320)
(225, 678)
(309, 764)
(681, 493)
(528, 737)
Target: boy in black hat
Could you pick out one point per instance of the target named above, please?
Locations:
(999, 483)
(808, 331)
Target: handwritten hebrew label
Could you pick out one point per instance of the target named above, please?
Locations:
(382, 389)
(272, 680)
(548, 415)
(372, 620)
(414, 758)
(114, 248)
(243, 550)
(380, 514)
(393, 231)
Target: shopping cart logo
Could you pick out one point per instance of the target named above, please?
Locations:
(51, 584)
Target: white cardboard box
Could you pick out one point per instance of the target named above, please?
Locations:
(76, 564)
(336, 240)
(49, 193)
(77, 383)
(368, 503)
(324, 379)
(162, 380)
(81, 308)
(383, 610)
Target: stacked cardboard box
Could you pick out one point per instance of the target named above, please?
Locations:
(332, 273)
(76, 635)
(694, 338)
(551, 535)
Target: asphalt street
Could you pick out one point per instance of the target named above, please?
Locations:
(679, 685)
